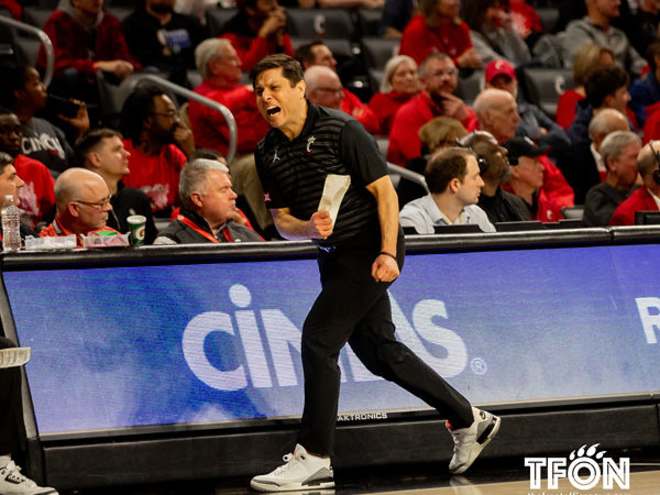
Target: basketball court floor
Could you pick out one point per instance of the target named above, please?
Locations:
(487, 477)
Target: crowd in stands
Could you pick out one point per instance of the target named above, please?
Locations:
(489, 153)
(533, 164)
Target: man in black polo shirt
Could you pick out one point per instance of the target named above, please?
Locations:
(359, 257)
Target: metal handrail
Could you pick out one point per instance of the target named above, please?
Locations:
(45, 41)
(407, 174)
(226, 113)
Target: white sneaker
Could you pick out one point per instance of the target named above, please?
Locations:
(300, 471)
(470, 441)
(12, 482)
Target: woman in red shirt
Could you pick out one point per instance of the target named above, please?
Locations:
(400, 83)
(438, 28)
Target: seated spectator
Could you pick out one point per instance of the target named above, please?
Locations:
(317, 53)
(154, 137)
(452, 176)
(645, 92)
(37, 197)
(597, 28)
(534, 123)
(437, 28)
(86, 39)
(587, 59)
(499, 205)
(439, 78)
(83, 203)
(493, 33)
(23, 93)
(584, 167)
(645, 24)
(102, 151)
(400, 83)
(606, 87)
(10, 185)
(208, 212)
(220, 68)
(436, 134)
(647, 197)
(257, 30)
(497, 114)
(396, 15)
(527, 180)
(163, 39)
(619, 151)
(12, 481)
(526, 21)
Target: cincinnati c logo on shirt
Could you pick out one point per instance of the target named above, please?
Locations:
(310, 141)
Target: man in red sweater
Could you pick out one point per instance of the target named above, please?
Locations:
(86, 39)
(647, 197)
(257, 30)
(439, 78)
(218, 63)
(317, 53)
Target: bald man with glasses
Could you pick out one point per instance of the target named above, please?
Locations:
(83, 203)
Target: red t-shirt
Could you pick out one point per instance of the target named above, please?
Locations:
(37, 196)
(404, 140)
(566, 107)
(639, 200)
(419, 39)
(352, 105)
(210, 127)
(251, 48)
(156, 175)
(385, 106)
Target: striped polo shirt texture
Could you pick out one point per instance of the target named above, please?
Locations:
(293, 172)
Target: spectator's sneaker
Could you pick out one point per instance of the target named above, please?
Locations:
(470, 441)
(300, 471)
(12, 482)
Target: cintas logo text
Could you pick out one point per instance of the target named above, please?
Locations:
(270, 331)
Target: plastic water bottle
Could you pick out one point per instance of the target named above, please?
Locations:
(11, 225)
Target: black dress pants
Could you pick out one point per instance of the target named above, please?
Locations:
(352, 307)
(10, 406)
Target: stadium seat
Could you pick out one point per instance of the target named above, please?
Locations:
(549, 17)
(37, 16)
(376, 77)
(369, 21)
(543, 87)
(320, 23)
(195, 78)
(216, 19)
(378, 51)
(469, 87)
(341, 49)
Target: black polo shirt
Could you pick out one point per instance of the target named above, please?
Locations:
(293, 172)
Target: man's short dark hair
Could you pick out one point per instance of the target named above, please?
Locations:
(137, 109)
(445, 165)
(653, 51)
(291, 68)
(5, 160)
(305, 53)
(89, 141)
(13, 79)
(603, 82)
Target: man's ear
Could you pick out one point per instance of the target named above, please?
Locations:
(197, 200)
(453, 185)
(301, 87)
(72, 209)
(608, 101)
(94, 160)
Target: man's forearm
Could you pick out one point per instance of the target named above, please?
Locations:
(290, 227)
(388, 213)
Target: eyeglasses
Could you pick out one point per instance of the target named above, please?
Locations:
(171, 114)
(448, 72)
(98, 205)
(336, 91)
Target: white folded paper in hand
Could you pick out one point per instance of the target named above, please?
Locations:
(333, 192)
(14, 356)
